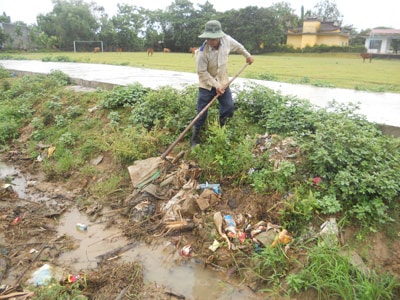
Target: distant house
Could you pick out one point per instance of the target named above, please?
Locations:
(315, 32)
(16, 37)
(383, 41)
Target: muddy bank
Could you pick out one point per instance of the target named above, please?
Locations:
(168, 253)
(39, 220)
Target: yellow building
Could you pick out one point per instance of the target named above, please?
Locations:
(314, 32)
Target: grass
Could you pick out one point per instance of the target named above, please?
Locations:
(340, 70)
(330, 272)
(358, 166)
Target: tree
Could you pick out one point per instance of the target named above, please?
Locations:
(154, 28)
(4, 18)
(108, 34)
(182, 28)
(129, 25)
(259, 29)
(358, 39)
(327, 11)
(69, 21)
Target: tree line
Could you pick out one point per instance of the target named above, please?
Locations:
(176, 27)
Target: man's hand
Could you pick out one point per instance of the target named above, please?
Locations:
(250, 60)
(220, 90)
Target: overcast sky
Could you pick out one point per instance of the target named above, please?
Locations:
(370, 15)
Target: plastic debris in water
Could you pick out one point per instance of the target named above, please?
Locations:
(42, 276)
(186, 251)
(81, 227)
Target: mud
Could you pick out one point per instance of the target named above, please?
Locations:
(125, 254)
(47, 233)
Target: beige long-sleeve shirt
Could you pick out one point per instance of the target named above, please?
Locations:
(212, 64)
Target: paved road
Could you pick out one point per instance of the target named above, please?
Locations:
(382, 108)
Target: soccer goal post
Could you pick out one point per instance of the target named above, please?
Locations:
(89, 45)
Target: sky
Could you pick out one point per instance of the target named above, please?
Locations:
(382, 13)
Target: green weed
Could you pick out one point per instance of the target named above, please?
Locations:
(330, 273)
(132, 143)
(54, 290)
(4, 73)
(268, 76)
(222, 156)
(104, 188)
(124, 96)
(270, 265)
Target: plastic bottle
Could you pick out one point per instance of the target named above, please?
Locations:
(230, 229)
(81, 227)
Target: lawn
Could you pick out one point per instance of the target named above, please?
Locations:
(341, 70)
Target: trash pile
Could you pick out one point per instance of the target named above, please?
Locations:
(201, 219)
(170, 195)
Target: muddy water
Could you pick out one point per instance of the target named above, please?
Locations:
(8, 173)
(161, 263)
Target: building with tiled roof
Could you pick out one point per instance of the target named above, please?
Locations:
(315, 32)
(383, 41)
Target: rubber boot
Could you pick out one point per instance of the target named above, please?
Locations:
(222, 121)
(195, 140)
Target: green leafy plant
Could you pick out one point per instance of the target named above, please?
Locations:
(167, 107)
(114, 117)
(60, 164)
(358, 160)
(59, 77)
(67, 139)
(124, 96)
(74, 111)
(60, 121)
(55, 290)
(275, 179)
(328, 204)
(275, 113)
(8, 128)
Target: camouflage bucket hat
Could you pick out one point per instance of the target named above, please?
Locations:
(212, 30)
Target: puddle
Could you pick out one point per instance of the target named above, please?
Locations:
(94, 241)
(11, 175)
(161, 263)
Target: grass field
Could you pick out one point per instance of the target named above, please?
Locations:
(341, 70)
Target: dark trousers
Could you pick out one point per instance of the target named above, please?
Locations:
(226, 106)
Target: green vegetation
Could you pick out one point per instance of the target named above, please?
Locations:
(356, 164)
(331, 274)
(54, 290)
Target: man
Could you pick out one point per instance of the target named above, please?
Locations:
(212, 60)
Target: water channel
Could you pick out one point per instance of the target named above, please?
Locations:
(161, 262)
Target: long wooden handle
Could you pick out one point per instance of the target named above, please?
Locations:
(164, 155)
